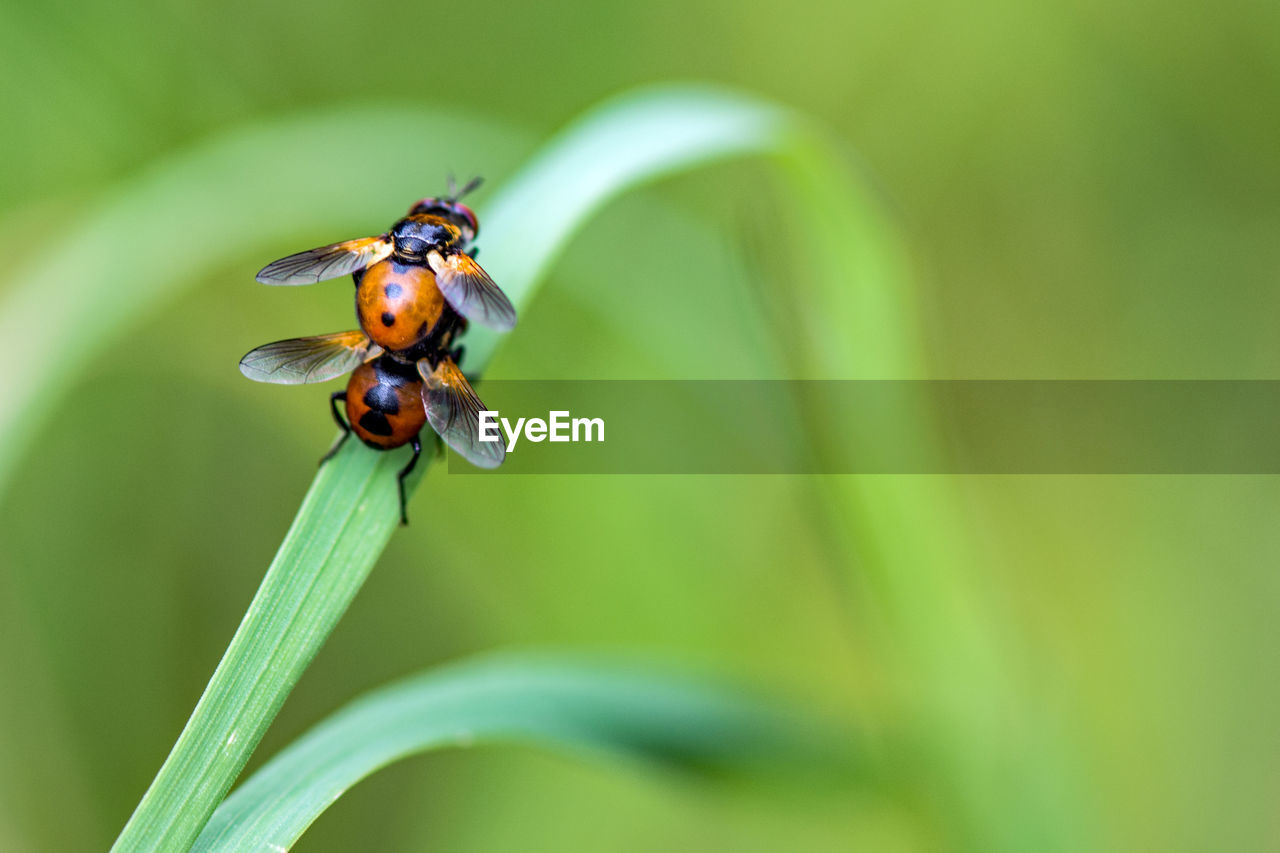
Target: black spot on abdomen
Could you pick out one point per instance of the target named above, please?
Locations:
(393, 291)
(375, 423)
(388, 319)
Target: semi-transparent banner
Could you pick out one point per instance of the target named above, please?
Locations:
(883, 427)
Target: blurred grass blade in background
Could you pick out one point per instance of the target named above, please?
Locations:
(551, 701)
(349, 512)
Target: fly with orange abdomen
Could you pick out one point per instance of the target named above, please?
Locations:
(405, 276)
(416, 286)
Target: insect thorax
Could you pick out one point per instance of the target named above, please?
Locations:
(415, 236)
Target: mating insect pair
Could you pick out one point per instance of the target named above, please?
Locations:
(416, 287)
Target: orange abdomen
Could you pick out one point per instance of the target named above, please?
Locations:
(384, 404)
(398, 304)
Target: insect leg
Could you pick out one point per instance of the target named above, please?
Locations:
(342, 424)
(404, 472)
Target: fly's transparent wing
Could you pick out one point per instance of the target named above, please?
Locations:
(453, 410)
(301, 361)
(471, 292)
(327, 262)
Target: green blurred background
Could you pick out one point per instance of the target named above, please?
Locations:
(1088, 191)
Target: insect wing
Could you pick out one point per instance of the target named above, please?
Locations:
(301, 361)
(327, 262)
(468, 288)
(453, 410)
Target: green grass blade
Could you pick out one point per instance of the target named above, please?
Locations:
(557, 703)
(652, 133)
(622, 144)
(320, 566)
(907, 545)
(349, 513)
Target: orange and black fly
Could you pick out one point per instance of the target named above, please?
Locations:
(416, 287)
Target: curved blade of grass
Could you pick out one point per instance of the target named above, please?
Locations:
(651, 133)
(558, 703)
(350, 512)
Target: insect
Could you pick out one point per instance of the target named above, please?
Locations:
(406, 277)
(398, 383)
(389, 396)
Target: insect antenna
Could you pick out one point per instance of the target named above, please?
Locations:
(471, 185)
(452, 184)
